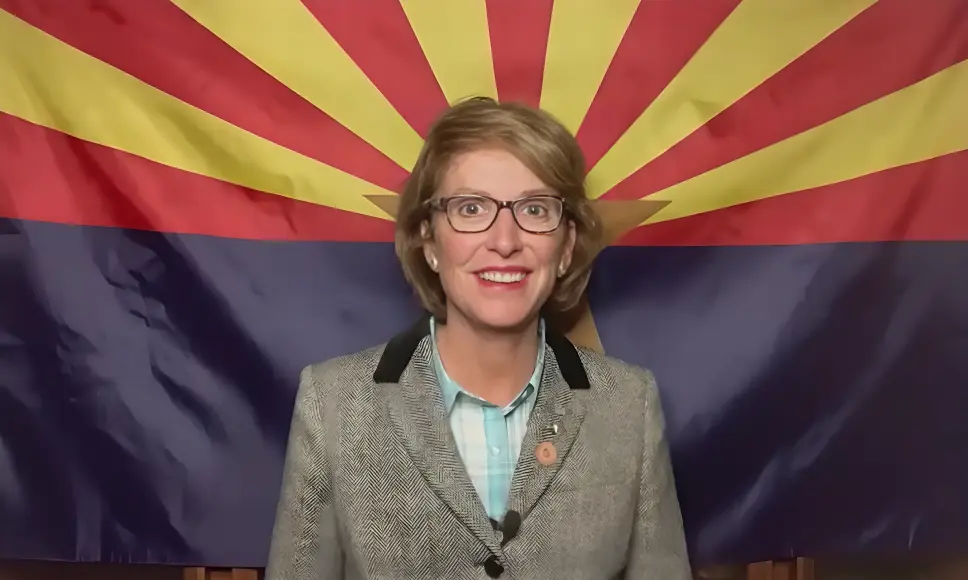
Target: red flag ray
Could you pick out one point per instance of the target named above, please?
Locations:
(379, 39)
(918, 202)
(519, 39)
(884, 49)
(158, 43)
(67, 180)
(660, 39)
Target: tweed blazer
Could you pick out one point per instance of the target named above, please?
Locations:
(374, 487)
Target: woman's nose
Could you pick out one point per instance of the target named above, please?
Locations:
(505, 235)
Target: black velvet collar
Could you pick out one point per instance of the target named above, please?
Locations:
(400, 349)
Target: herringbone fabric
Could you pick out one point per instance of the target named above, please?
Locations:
(375, 489)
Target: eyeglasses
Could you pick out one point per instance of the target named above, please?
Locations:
(472, 214)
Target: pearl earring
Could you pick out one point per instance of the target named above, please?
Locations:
(433, 264)
(561, 270)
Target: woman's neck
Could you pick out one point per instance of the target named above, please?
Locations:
(493, 365)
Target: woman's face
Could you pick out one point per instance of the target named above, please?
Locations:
(499, 278)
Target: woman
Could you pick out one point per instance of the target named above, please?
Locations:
(481, 442)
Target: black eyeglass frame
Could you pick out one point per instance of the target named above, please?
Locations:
(441, 204)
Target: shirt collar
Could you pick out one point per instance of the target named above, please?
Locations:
(450, 389)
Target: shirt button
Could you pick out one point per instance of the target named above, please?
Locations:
(495, 451)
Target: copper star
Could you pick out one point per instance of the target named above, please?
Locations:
(618, 218)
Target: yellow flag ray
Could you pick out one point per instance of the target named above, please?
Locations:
(456, 40)
(49, 83)
(582, 41)
(759, 38)
(284, 39)
(920, 122)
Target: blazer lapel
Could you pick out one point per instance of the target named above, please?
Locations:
(556, 419)
(417, 411)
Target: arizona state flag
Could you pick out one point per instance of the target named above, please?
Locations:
(196, 198)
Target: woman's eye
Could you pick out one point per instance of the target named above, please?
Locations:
(470, 209)
(534, 210)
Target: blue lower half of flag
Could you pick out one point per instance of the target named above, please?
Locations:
(816, 395)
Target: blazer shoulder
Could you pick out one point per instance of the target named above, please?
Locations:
(349, 370)
(629, 390)
(616, 374)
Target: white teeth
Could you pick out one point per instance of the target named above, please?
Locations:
(502, 277)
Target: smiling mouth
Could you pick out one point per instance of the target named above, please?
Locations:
(502, 277)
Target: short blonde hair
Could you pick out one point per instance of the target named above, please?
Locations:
(543, 145)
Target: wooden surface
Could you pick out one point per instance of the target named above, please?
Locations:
(794, 569)
(779, 570)
(219, 574)
(73, 571)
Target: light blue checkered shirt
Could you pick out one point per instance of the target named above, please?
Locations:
(489, 437)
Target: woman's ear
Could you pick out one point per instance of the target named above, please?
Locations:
(568, 251)
(429, 247)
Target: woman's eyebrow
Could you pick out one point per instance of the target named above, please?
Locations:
(468, 191)
(523, 194)
(539, 191)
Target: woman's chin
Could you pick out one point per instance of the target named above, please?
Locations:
(505, 319)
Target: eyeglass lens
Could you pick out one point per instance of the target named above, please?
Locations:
(538, 214)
